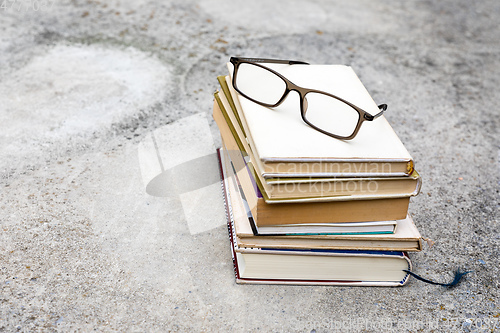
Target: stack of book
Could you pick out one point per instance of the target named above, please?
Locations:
(306, 208)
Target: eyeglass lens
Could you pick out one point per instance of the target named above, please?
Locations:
(330, 114)
(269, 88)
(321, 110)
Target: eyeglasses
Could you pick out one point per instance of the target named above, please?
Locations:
(323, 111)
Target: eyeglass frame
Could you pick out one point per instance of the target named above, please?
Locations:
(290, 86)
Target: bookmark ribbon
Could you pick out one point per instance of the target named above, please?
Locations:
(456, 280)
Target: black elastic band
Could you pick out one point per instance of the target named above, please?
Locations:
(456, 280)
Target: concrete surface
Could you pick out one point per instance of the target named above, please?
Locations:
(98, 98)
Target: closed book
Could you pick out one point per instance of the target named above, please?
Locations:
(284, 145)
(321, 267)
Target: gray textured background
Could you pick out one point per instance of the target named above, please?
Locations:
(87, 86)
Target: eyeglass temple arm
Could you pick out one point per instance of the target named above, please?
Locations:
(276, 61)
(382, 108)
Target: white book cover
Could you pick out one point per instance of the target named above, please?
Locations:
(280, 134)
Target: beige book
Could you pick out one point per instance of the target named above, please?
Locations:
(304, 267)
(354, 187)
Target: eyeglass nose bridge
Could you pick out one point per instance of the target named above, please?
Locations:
(290, 86)
(293, 87)
(302, 95)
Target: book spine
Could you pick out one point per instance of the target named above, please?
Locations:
(227, 210)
